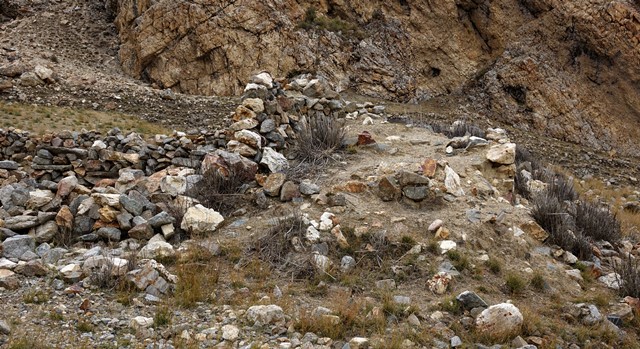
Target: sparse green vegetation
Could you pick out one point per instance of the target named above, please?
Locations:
(459, 260)
(538, 282)
(27, 343)
(84, 326)
(494, 265)
(451, 305)
(36, 296)
(312, 20)
(514, 283)
(162, 316)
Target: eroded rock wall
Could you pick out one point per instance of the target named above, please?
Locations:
(406, 50)
(573, 74)
(567, 68)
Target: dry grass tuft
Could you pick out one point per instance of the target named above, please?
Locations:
(196, 283)
(597, 222)
(514, 283)
(629, 273)
(219, 192)
(318, 138)
(275, 246)
(27, 343)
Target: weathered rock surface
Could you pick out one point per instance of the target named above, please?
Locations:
(199, 219)
(539, 74)
(500, 321)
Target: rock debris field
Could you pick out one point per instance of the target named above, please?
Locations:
(398, 236)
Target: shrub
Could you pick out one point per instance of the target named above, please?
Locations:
(629, 277)
(562, 189)
(318, 137)
(552, 215)
(219, 192)
(597, 223)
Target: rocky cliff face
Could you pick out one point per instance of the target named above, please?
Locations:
(398, 50)
(567, 68)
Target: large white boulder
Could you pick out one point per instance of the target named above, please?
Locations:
(500, 321)
(504, 154)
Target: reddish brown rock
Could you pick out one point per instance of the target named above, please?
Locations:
(365, 138)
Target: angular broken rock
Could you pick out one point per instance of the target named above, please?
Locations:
(139, 322)
(439, 283)
(389, 189)
(308, 188)
(66, 185)
(46, 232)
(142, 231)
(274, 161)
(229, 164)
(470, 300)
(255, 104)
(39, 198)
(249, 138)
(152, 277)
(161, 219)
(534, 230)
(274, 183)
(16, 246)
(109, 233)
(156, 248)
(504, 154)
(452, 182)
(173, 185)
(199, 219)
(320, 262)
(261, 315)
(17, 223)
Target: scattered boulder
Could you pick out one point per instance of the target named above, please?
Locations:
(470, 300)
(499, 321)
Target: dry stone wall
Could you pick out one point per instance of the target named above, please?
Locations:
(110, 187)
